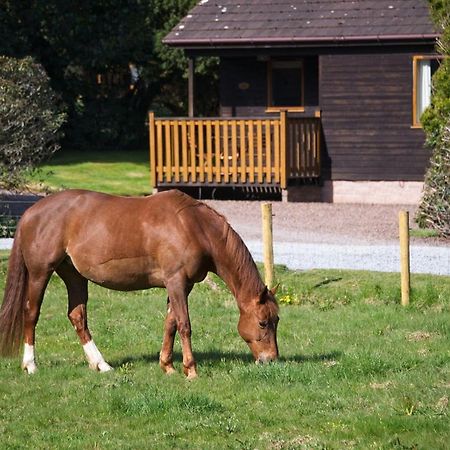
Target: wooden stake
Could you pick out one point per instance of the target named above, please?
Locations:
(403, 221)
(266, 210)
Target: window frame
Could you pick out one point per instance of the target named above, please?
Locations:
(415, 65)
(292, 108)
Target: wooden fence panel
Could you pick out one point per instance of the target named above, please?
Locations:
(222, 151)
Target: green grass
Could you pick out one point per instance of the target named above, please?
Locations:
(122, 173)
(356, 371)
(423, 233)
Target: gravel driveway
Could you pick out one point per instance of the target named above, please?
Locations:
(341, 236)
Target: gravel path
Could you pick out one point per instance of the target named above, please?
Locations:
(324, 235)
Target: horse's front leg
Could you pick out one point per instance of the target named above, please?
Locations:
(178, 294)
(77, 290)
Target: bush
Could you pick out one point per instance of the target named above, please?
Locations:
(434, 209)
(31, 117)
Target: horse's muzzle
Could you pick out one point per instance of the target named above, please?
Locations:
(265, 358)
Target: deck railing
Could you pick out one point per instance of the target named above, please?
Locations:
(233, 151)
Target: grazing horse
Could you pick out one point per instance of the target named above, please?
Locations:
(165, 240)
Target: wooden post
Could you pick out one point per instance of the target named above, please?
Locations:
(403, 220)
(152, 131)
(191, 67)
(266, 210)
(283, 150)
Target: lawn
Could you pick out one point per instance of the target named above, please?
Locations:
(115, 172)
(356, 371)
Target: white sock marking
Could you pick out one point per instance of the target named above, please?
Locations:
(95, 358)
(28, 362)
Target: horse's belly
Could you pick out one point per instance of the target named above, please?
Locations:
(126, 274)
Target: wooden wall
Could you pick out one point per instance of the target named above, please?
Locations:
(366, 103)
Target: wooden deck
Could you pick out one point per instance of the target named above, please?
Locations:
(233, 151)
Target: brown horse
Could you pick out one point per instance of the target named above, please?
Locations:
(166, 240)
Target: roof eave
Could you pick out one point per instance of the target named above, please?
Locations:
(276, 42)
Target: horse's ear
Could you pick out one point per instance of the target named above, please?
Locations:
(263, 295)
(274, 290)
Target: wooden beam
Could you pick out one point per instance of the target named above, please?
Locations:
(191, 68)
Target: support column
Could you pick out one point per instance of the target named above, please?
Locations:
(191, 67)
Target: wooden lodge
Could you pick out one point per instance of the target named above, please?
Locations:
(320, 99)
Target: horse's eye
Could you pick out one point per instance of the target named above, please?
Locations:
(263, 324)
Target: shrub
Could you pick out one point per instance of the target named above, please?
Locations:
(31, 117)
(434, 209)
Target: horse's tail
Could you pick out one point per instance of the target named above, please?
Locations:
(12, 309)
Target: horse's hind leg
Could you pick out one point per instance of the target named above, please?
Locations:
(170, 328)
(35, 294)
(77, 290)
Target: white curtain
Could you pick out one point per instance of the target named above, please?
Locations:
(423, 86)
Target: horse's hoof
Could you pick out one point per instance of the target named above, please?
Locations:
(30, 368)
(169, 370)
(192, 376)
(101, 366)
(104, 367)
(190, 372)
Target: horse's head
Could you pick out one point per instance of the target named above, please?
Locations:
(258, 326)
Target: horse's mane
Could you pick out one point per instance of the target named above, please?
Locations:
(243, 260)
(244, 264)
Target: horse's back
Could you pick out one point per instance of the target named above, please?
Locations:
(117, 241)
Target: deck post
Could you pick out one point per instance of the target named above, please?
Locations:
(191, 68)
(151, 135)
(283, 155)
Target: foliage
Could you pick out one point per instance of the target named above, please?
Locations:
(86, 49)
(434, 210)
(361, 374)
(31, 116)
(173, 64)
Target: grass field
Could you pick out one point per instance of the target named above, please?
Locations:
(356, 371)
(122, 173)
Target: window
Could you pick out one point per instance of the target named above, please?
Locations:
(285, 85)
(423, 71)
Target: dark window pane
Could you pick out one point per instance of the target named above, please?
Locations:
(286, 87)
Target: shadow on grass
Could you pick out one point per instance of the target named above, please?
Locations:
(218, 356)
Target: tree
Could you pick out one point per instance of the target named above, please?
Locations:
(31, 116)
(434, 209)
(86, 49)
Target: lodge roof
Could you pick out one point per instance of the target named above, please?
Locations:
(236, 23)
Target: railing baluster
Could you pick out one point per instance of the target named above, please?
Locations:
(243, 151)
(259, 143)
(176, 150)
(201, 150)
(234, 153)
(226, 169)
(251, 152)
(193, 151)
(268, 149)
(209, 158)
(184, 152)
(276, 140)
(217, 145)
